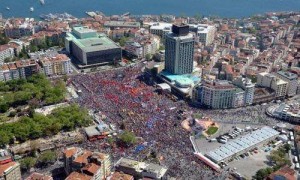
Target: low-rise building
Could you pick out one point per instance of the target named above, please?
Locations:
(121, 24)
(120, 176)
(27, 67)
(217, 95)
(286, 111)
(292, 80)
(248, 87)
(134, 48)
(17, 28)
(38, 176)
(141, 169)
(10, 171)
(242, 145)
(56, 65)
(78, 162)
(5, 52)
(18, 69)
(271, 81)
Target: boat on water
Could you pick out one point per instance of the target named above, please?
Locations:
(42, 2)
(31, 9)
(7, 8)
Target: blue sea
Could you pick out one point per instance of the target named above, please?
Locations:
(222, 8)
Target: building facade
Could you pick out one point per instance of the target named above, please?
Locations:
(56, 65)
(5, 52)
(292, 80)
(217, 95)
(91, 48)
(271, 81)
(248, 87)
(10, 171)
(204, 33)
(79, 162)
(179, 50)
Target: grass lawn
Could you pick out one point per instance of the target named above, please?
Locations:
(212, 130)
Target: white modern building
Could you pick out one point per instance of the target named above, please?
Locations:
(179, 50)
(217, 95)
(268, 80)
(248, 87)
(204, 33)
(160, 29)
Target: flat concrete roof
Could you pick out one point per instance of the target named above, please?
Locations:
(92, 44)
(240, 144)
(122, 24)
(288, 75)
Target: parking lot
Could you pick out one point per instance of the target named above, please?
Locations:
(245, 165)
(249, 165)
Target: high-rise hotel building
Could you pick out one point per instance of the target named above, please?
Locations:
(179, 50)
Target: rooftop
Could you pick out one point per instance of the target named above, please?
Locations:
(122, 24)
(97, 130)
(78, 176)
(57, 58)
(237, 145)
(92, 43)
(92, 168)
(4, 47)
(160, 171)
(288, 75)
(120, 176)
(185, 78)
(38, 176)
(6, 167)
(129, 163)
(83, 158)
(71, 152)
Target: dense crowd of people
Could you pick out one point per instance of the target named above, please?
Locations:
(123, 96)
(128, 102)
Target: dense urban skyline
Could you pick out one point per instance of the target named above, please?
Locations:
(149, 97)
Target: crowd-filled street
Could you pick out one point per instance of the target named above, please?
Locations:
(128, 102)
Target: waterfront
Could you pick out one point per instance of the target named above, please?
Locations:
(224, 8)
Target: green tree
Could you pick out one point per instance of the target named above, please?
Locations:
(33, 48)
(122, 41)
(161, 47)
(128, 138)
(261, 174)
(3, 39)
(6, 60)
(148, 57)
(27, 163)
(3, 107)
(5, 139)
(48, 157)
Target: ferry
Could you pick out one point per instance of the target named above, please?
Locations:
(31, 9)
